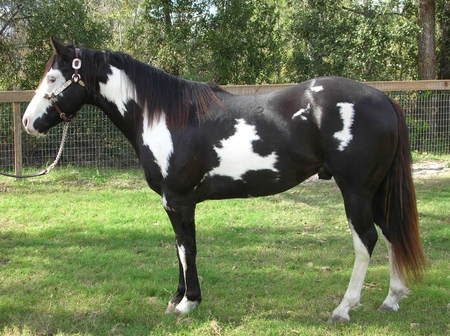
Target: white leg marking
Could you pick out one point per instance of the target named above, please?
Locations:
(353, 294)
(236, 153)
(158, 138)
(118, 89)
(347, 112)
(39, 105)
(397, 287)
(165, 204)
(182, 254)
(301, 112)
(185, 305)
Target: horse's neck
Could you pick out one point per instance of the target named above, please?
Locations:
(117, 98)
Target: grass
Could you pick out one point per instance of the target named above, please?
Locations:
(84, 252)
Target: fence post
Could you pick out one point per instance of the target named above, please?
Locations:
(17, 137)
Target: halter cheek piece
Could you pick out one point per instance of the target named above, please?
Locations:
(76, 78)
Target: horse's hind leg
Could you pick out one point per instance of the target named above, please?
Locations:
(397, 286)
(358, 207)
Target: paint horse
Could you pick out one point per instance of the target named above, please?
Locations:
(198, 142)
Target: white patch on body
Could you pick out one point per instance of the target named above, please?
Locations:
(118, 89)
(236, 153)
(317, 109)
(301, 113)
(39, 105)
(316, 88)
(159, 140)
(353, 294)
(347, 112)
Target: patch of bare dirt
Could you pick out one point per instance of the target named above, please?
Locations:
(430, 168)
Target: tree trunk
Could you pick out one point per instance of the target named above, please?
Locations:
(444, 59)
(427, 40)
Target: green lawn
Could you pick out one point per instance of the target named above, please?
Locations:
(84, 252)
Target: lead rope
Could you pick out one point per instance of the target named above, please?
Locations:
(49, 168)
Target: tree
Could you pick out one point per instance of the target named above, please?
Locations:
(370, 40)
(230, 41)
(243, 41)
(25, 39)
(427, 40)
(443, 13)
(167, 33)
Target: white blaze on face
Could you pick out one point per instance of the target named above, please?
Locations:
(159, 140)
(118, 89)
(347, 113)
(39, 105)
(236, 155)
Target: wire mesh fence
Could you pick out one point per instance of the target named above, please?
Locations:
(93, 141)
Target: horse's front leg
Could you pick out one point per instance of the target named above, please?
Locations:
(188, 295)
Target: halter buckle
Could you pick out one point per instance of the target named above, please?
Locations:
(76, 77)
(76, 63)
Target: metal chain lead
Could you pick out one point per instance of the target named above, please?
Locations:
(61, 148)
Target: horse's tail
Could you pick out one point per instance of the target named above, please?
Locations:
(400, 206)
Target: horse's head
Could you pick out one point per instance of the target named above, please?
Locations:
(60, 94)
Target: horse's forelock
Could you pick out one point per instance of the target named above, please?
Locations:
(47, 68)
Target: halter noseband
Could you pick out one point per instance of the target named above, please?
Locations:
(76, 78)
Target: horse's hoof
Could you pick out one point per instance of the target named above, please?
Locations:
(185, 306)
(170, 308)
(338, 319)
(386, 309)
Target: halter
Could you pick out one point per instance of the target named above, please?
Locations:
(76, 78)
(53, 97)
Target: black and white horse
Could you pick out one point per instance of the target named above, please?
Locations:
(197, 142)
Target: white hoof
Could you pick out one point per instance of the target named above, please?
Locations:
(185, 306)
(384, 308)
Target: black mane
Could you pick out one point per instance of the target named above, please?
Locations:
(158, 91)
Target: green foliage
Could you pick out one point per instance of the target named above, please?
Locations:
(368, 40)
(226, 41)
(67, 20)
(243, 44)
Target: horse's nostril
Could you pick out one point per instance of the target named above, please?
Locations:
(25, 122)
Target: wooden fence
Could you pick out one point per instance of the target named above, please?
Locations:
(18, 98)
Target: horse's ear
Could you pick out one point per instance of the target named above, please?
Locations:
(60, 49)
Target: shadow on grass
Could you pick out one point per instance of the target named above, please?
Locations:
(117, 280)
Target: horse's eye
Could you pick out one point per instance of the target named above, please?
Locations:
(52, 79)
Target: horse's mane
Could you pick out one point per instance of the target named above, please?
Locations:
(156, 90)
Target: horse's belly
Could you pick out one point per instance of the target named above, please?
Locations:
(251, 184)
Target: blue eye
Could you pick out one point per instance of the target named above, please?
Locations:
(52, 79)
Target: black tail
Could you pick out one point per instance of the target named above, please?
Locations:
(400, 206)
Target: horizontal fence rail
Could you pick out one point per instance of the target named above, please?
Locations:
(93, 141)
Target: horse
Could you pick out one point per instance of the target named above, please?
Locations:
(197, 142)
